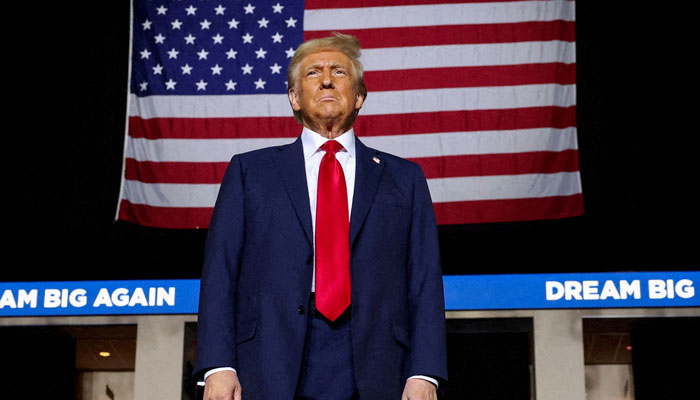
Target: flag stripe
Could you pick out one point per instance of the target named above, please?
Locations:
(499, 164)
(464, 212)
(340, 19)
(470, 212)
(370, 125)
(387, 102)
(458, 34)
(406, 146)
(467, 55)
(433, 167)
(315, 4)
(506, 75)
(441, 189)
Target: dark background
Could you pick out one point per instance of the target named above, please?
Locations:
(67, 86)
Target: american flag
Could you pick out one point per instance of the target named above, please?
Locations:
(481, 94)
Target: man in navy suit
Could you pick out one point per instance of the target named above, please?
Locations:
(322, 273)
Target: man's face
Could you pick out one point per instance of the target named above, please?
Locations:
(325, 91)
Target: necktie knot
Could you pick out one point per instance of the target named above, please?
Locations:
(332, 146)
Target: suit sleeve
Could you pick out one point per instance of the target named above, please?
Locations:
(216, 333)
(426, 298)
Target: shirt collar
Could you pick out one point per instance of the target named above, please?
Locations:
(312, 141)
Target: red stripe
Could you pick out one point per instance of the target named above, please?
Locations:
(175, 172)
(436, 78)
(213, 128)
(319, 4)
(434, 167)
(468, 212)
(536, 31)
(466, 121)
(368, 125)
(543, 162)
(165, 217)
(462, 212)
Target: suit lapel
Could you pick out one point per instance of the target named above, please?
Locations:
(290, 166)
(368, 173)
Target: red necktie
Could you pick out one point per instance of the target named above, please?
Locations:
(332, 236)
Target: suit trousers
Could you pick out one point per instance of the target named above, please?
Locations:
(327, 371)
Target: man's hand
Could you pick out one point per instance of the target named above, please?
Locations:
(419, 389)
(222, 385)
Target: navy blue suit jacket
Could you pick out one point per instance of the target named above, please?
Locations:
(258, 272)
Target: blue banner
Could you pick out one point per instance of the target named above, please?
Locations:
(99, 297)
(585, 290)
(462, 292)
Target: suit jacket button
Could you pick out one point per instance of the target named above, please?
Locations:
(301, 310)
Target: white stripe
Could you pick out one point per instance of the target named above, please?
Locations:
(171, 194)
(437, 14)
(196, 150)
(472, 143)
(479, 98)
(249, 105)
(504, 187)
(467, 55)
(388, 102)
(441, 190)
(406, 146)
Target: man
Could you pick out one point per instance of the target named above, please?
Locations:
(322, 274)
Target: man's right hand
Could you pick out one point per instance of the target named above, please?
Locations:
(222, 385)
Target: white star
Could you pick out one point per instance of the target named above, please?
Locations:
(262, 22)
(220, 10)
(276, 68)
(277, 38)
(260, 53)
(247, 38)
(233, 24)
(186, 69)
(201, 85)
(158, 70)
(143, 86)
(159, 38)
(146, 25)
(191, 10)
(170, 84)
(203, 54)
(249, 8)
(161, 10)
(290, 52)
(231, 54)
(218, 39)
(291, 22)
(205, 24)
(277, 8)
(231, 85)
(173, 53)
(247, 69)
(176, 24)
(260, 84)
(189, 39)
(216, 70)
(145, 54)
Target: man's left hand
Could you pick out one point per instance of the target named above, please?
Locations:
(419, 389)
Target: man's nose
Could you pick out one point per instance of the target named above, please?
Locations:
(327, 80)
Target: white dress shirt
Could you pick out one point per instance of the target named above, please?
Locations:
(311, 143)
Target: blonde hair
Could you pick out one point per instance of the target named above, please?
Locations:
(346, 44)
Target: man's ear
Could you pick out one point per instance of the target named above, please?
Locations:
(294, 99)
(359, 101)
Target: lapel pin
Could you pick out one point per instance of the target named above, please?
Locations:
(375, 159)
